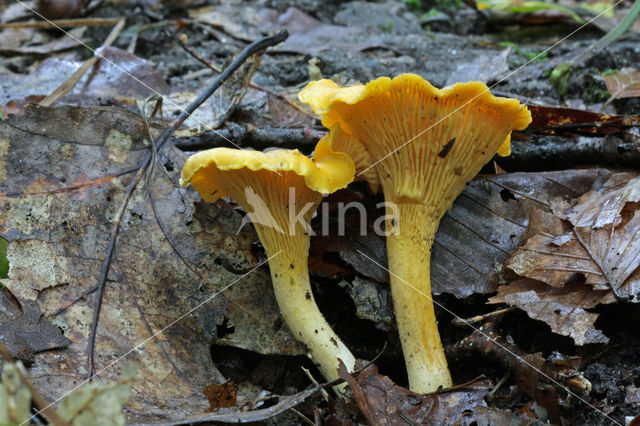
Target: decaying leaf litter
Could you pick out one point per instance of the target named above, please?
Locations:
(58, 217)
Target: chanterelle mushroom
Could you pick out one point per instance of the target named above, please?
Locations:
(425, 145)
(280, 190)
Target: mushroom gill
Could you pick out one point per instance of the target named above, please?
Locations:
(425, 144)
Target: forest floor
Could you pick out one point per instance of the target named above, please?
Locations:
(174, 252)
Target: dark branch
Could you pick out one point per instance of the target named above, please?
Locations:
(302, 138)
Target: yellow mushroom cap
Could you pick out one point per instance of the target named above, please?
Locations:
(260, 181)
(337, 140)
(325, 174)
(425, 143)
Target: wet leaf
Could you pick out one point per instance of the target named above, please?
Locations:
(29, 333)
(567, 121)
(602, 249)
(63, 171)
(624, 84)
(382, 402)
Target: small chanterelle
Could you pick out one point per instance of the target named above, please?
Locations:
(280, 190)
(421, 145)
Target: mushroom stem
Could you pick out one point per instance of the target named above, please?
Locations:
(409, 253)
(290, 277)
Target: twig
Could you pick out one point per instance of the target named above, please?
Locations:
(71, 82)
(479, 318)
(251, 84)
(304, 418)
(502, 381)
(325, 394)
(358, 371)
(62, 23)
(248, 51)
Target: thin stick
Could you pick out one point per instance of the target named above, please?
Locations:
(71, 82)
(248, 51)
(479, 318)
(68, 23)
(218, 70)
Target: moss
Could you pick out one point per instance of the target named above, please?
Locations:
(594, 94)
(4, 262)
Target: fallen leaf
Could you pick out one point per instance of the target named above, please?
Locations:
(382, 402)
(487, 416)
(389, 16)
(567, 121)
(284, 402)
(483, 68)
(563, 309)
(103, 83)
(215, 110)
(240, 21)
(307, 35)
(633, 395)
(534, 375)
(624, 83)
(476, 236)
(602, 248)
(63, 171)
(34, 41)
(30, 333)
(487, 221)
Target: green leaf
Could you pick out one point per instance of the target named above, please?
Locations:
(4, 262)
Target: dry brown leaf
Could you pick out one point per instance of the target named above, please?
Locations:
(563, 309)
(487, 221)
(29, 333)
(624, 84)
(62, 174)
(548, 120)
(601, 249)
(221, 396)
(383, 402)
